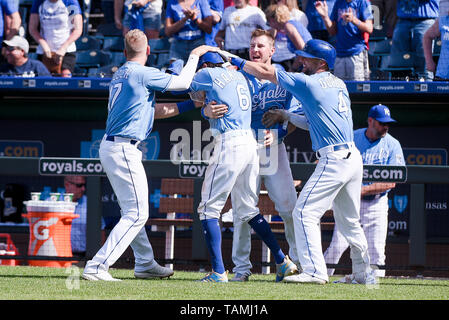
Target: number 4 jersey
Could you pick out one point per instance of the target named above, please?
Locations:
(226, 86)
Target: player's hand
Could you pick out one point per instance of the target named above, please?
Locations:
(268, 138)
(273, 116)
(214, 111)
(348, 15)
(322, 8)
(226, 55)
(199, 51)
(198, 97)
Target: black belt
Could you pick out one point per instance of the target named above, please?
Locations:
(112, 138)
(336, 148)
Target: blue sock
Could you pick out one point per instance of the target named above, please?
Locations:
(263, 230)
(212, 233)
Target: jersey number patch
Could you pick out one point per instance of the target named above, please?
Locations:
(114, 92)
(244, 100)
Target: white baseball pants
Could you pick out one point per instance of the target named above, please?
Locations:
(122, 162)
(337, 180)
(281, 191)
(374, 220)
(233, 169)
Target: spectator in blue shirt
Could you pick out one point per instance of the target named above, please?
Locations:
(315, 22)
(18, 63)
(414, 18)
(349, 20)
(187, 21)
(216, 7)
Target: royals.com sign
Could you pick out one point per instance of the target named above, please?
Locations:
(70, 166)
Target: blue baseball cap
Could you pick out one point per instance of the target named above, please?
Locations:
(381, 113)
(210, 56)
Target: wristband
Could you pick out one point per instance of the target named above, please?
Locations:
(185, 106)
(202, 113)
(239, 62)
(282, 133)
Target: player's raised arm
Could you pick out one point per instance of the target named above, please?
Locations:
(184, 79)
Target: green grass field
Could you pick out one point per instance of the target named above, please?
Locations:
(38, 283)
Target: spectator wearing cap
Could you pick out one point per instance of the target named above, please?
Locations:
(18, 63)
(55, 25)
(439, 29)
(349, 21)
(237, 25)
(377, 147)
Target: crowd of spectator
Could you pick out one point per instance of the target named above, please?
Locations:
(412, 27)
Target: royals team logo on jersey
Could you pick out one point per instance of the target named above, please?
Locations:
(400, 203)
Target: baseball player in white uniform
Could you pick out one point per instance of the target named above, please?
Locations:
(130, 119)
(338, 175)
(377, 147)
(234, 166)
(273, 172)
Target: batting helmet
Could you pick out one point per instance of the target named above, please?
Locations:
(212, 57)
(319, 49)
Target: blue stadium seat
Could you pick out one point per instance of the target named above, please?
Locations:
(161, 45)
(378, 34)
(117, 58)
(163, 60)
(402, 63)
(92, 59)
(108, 29)
(87, 43)
(113, 43)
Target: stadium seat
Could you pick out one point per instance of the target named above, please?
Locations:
(92, 59)
(161, 45)
(152, 60)
(87, 43)
(108, 29)
(378, 34)
(117, 58)
(402, 64)
(113, 43)
(163, 60)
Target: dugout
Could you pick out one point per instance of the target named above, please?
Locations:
(65, 118)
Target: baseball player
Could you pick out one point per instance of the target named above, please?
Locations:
(338, 175)
(278, 182)
(377, 147)
(234, 166)
(130, 120)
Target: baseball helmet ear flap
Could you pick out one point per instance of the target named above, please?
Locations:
(319, 49)
(212, 57)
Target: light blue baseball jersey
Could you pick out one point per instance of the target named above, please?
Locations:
(384, 151)
(326, 104)
(131, 100)
(265, 96)
(230, 87)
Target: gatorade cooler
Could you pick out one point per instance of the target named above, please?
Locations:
(50, 226)
(8, 249)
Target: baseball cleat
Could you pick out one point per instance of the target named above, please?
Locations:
(304, 278)
(240, 277)
(215, 277)
(359, 278)
(100, 276)
(155, 272)
(287, 268)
